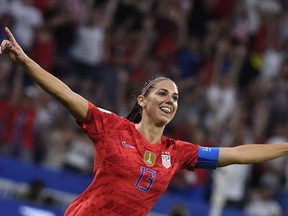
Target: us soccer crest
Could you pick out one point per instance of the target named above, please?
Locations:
(166, 160)
(149, 158)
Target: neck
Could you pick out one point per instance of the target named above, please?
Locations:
(152, 133)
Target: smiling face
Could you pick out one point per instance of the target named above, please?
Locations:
(160, 104)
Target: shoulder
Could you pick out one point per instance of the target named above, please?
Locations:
(98, 112)
(101, 117)
(184, 153)
(179, 144)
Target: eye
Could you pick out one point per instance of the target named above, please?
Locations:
(175, 98)
(162, 93)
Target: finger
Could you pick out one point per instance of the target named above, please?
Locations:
(10, 35)
(5, 44)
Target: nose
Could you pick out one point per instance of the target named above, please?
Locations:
(169, 100)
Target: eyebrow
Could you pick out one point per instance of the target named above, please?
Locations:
(175, 93)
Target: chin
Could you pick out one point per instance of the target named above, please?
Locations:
(163, 122)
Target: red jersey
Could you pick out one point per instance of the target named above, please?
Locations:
(130, 174)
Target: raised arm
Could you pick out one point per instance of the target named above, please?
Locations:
(251, 153)
(76, 104)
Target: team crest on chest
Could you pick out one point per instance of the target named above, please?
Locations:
(149, 158)
(166, 160)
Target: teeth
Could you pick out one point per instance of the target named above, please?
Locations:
(166, 110)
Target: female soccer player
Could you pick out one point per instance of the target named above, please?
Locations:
(134, 162)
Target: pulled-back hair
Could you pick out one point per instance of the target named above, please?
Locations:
(136, 113)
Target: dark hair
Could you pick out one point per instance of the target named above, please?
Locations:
(136, 114)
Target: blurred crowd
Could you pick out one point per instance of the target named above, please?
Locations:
(228, 57)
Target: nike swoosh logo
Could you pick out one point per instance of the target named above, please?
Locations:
(124, 144)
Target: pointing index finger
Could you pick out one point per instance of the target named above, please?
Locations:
(10, 35)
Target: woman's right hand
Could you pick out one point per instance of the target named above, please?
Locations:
(12, 48)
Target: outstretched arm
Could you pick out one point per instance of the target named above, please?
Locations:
(251, 153)
(77, 105)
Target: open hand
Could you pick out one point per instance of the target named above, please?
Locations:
(12, 48)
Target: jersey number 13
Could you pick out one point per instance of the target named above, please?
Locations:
(151, 177)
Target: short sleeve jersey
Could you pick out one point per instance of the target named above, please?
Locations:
(130, 174)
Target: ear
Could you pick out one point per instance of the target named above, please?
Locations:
(140, 100)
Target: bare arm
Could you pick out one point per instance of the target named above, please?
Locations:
(77, 105)
(251, 153)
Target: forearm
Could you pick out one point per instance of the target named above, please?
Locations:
(251, 153)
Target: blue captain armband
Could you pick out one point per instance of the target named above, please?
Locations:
(207, 157)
